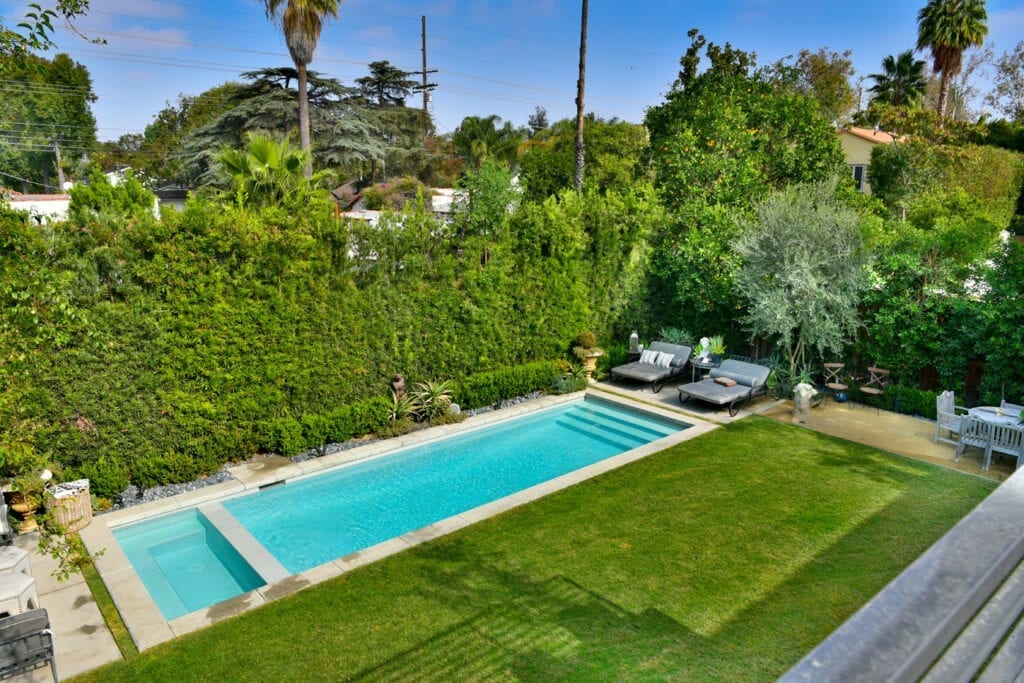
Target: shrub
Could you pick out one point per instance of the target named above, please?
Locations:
(107, 478)
(172, 468)
(487, 388)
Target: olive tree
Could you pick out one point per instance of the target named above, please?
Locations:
(803, 269)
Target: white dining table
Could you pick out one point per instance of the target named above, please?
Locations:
(994, 415)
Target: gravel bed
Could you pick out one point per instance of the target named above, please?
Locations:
(134, 496)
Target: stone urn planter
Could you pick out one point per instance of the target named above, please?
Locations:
(590, 363)
(585, 347)
(24, 507)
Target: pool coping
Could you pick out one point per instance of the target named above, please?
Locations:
(146, 624)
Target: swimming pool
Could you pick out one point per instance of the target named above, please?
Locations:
(185, 563)
(312, 521)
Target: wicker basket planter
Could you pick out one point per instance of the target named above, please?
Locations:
(69, 502)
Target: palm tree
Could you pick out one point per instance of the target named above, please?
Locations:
(902, 82)
(477, 138)
(269, 172)
(302, 21)
(947, 28)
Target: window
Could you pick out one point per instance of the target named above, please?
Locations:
(860, 174)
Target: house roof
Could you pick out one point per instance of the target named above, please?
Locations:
(869, 134)
(16, 196)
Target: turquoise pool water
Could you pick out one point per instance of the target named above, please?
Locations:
(185, 563)
(307, 523)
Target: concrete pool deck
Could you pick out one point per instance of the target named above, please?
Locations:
(148, 627)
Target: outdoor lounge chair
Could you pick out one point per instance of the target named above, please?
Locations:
(25, 643)
(654, 372)
(748, 381)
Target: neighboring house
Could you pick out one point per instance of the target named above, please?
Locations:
(857, 144)
(44, 208)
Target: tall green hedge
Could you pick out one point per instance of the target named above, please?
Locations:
(158, 350)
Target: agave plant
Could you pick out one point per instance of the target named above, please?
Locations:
(402, 406)
(434, 398)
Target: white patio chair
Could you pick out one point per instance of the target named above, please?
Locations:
(1008, 439)
(947, 416)
(973, 432)
(1010, 408)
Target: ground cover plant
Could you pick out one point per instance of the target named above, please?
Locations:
(727, 557)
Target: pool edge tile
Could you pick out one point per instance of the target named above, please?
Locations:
(193, 621)
(141, 617)
(372, 554)
(435, 530)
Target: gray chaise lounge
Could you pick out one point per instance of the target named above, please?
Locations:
(751, 380)
(651, 372)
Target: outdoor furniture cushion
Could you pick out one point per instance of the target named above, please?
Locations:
(751, 380)
(641, 371)
(664, 359)
(726, 381)
(649, 356)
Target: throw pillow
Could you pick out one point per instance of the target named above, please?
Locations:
(649, 356)
(664, 359)
(726, 381)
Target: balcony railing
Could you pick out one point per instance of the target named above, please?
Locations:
(952, 615)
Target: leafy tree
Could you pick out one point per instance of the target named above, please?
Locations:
(46, 107)
(270, 173)
(614, 153)
(803, 269)
(36, 31)
(345, 135)
(723, 139)
(487, 201)
(302, 21)
(964, 88)
(157, 155)
(478, 138)
(387, 85)
(947, 28)
(902, 82)
(1004, 336)
(903, 172)
(102, 197)
(538, 121)
(823, 76)
(1008, 93)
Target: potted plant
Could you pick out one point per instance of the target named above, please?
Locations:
(716, 346)
(586, 349)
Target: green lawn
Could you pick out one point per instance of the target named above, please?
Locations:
(727, 557)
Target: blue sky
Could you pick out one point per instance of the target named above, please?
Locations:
(492, 57)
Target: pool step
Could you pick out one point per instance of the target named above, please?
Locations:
(621, 433)
(258, 557)
(639, 424)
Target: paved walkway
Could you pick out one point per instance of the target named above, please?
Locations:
(81, 638)
(83, 641)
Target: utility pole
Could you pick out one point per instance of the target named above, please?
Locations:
(425, 87)
(578, 176)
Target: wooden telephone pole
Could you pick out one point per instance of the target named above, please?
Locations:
(425, 87)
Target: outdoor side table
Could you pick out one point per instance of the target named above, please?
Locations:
(14, 560)
(701, 365)
(17, 594)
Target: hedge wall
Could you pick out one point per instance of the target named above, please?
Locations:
(158, 350)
